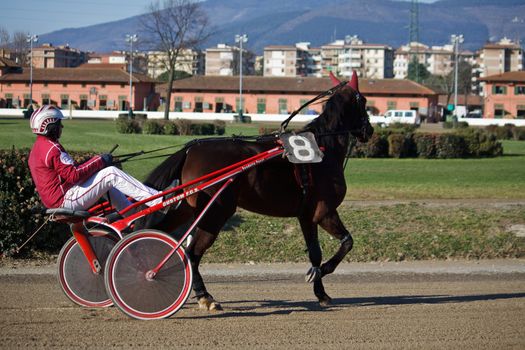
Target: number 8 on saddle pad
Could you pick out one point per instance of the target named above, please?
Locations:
(301, 148)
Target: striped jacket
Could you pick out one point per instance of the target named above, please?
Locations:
(54, 172)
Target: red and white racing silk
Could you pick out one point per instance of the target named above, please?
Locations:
(54, 172)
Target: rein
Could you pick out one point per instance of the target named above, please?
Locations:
(328, 92)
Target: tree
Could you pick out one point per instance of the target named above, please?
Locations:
(179, 74)
(417, 71)
(20, 48)
(4, 38)
(174, 26)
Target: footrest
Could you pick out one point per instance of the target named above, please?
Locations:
(68, 213)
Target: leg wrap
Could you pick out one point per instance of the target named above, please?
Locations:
(347, 240)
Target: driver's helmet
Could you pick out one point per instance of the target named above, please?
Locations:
(43, 117)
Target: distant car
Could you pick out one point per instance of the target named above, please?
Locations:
(474, 115)
(400, 116)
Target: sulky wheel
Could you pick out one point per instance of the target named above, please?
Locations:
(131, 285)
(75, 276)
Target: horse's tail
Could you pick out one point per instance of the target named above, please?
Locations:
(169, 170)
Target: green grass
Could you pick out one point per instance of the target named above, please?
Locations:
(487, 178)
(381, 233)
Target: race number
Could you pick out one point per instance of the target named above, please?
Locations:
(301, 148)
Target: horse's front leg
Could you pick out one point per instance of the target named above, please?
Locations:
(314, 274)
(334, 226)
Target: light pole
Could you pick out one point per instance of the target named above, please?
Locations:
(31, 39)
(242, 38)
(131, 38)
(456, 40)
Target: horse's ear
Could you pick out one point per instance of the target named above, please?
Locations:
(334, 80)
(354, 83)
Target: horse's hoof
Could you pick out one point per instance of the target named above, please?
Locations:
(325, 301)
(209, 304)
(313, 274)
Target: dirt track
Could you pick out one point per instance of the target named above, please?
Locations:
(421, 305)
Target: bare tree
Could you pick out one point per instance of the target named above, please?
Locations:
(4, 38)
(175, 26)
(19, 48)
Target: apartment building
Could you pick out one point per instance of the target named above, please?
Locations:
(374, 61)
(219, 60)
(189, 61)
(438, 60)
(503, 56)
(49, 56)
(281, 61)
(118, 59)
(292, 61)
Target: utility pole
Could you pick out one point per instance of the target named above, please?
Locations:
(414, 34)
(131, 38)
(240, 38)
(456, 40)
(31, 39)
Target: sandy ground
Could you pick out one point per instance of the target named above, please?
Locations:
(441, 305)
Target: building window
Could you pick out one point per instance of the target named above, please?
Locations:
(102, 85)
(198, 105)
(283, 106)
(122, 86)
(178, 104)
(519, 90)
(83, 102)
(391, 105)
(83, 85)
(64, 85)
(45, 84)
(64, 101)
(45, 99)
(499, 90)
(102, 102)
(305, 109)
(261, 105)
(499, 111)
(520, 113)
(238, 107)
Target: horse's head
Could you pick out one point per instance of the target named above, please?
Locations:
(353, 109)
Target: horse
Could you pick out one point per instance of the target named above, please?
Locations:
(272, 188)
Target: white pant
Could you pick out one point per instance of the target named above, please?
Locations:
(113, 180)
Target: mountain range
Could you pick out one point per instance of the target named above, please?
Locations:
(278, 22)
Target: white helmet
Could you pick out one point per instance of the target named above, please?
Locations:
(43, 117)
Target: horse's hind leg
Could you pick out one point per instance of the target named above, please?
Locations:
(315, 254)
(334, 226)
(201, 241)
(207, 231)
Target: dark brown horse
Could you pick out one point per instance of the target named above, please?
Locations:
(271, 188)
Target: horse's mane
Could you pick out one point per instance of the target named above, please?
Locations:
(327, 125)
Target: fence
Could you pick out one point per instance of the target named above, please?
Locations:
(7, 112)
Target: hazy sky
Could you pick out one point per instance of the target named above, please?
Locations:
(44, 16)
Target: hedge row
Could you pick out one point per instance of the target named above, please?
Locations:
(507, 132)
(464, 143)
(17, 198)
(127, 125)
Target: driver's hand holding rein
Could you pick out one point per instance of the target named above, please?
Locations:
(62, 183)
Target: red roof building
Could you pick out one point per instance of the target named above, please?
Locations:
(282, 95)
(79, 88)
(505, 95)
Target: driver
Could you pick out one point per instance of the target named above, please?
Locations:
(62, 183)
